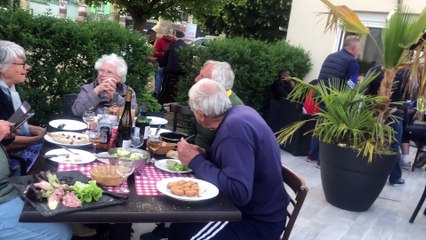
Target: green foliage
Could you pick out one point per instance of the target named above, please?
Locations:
(153, 104)
(62, 55)
(348, 117)
(255, 64)
(141, 10)
(253, 19)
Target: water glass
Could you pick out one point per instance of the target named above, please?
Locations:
(125, 168)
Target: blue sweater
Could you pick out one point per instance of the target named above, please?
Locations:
(245, 165)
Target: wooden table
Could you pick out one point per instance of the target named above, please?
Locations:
(137, 208)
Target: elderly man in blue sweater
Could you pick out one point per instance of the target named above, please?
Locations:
(244, 163)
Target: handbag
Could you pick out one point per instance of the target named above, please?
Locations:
(416, 131)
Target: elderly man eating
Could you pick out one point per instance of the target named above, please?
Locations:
(244, 163)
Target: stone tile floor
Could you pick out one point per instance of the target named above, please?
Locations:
(386, 219)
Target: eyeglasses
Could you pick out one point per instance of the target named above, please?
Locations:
(22, 64)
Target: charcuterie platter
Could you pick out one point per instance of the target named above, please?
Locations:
(68, 177)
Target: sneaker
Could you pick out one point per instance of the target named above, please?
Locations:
(310, 159)
(397, 182)
(406, 166)
(318, 165)
(159, 232)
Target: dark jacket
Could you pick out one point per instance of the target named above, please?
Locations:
(280, 89)
(171, 58)
(342, 65)
(6, 110)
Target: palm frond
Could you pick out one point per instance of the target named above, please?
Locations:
(345, 16)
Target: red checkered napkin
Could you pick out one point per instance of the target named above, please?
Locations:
(146, 182)
(85, 169)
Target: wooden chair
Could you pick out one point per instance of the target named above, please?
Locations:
(418, 207)
(297, 184)
(178, 109)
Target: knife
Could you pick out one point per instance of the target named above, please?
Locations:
(68, 150)
(56, 155)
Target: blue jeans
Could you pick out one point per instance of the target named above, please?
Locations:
(396, 172)
(11, 228)
(158, 79)
(314, 149)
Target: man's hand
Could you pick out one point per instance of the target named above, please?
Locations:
(187, 152)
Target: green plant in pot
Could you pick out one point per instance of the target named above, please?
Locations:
(353, 128)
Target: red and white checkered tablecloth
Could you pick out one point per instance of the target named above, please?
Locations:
(146, 182)
(85, 168)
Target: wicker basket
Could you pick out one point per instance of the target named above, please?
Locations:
(164, 148)
(106, 175)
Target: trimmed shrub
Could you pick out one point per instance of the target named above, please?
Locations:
(62, 54)
(255, 64)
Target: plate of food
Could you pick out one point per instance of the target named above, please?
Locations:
(68, 125)
(172, 166)
(67, 138)
(187, 189)
(157, 120)
(73, 156)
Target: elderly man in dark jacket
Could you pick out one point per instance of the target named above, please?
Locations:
(342, 64)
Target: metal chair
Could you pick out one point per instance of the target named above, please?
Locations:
(419, 205)
(178, 109)
(297, 184)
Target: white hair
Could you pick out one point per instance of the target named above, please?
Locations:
(116, 60)
(9, 52)
(209, 97)
(222, 73)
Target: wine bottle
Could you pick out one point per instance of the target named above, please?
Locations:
(126, 122)
(142, 122)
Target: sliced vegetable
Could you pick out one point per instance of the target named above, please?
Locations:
(175, 166)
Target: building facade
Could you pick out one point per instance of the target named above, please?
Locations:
(307, 28)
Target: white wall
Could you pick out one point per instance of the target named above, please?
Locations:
(40, 9)
(307, 24)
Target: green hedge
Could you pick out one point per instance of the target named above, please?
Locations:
(255, 64)
(62, 54)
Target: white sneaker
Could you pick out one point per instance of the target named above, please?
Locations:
(406, 166)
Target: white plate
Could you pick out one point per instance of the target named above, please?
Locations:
(207, 189)
(81, 156)
(70, 125)
(50, 139)
(161, 164)
(153, 129)
(157, 120)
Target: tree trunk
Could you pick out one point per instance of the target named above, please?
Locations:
(138, 22)
(386, 90)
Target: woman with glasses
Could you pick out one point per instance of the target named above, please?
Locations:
(112, 71)
(13, 70)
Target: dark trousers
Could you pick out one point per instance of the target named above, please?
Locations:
(396, 172)
(248, 229)
(169, 89)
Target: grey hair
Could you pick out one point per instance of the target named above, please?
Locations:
(9, 52)
(209, 97)
(351, 40)
(117, 61)
(222, 73)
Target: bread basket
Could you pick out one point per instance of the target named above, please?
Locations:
(164, 148)
(106, 175)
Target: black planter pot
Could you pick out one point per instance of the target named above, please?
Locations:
(349, 181)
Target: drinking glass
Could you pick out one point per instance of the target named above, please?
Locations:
(125, 168)
(137, 141)
(89, 117)
(154, 143)
(94, 138)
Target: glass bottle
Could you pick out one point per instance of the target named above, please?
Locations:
(124, 130)
(142, 122)
(105, 129)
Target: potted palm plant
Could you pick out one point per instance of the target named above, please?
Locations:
(354, 128)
